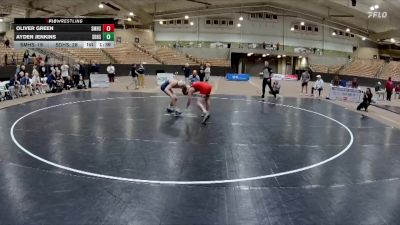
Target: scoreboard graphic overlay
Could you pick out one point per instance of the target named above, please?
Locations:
(63, 33)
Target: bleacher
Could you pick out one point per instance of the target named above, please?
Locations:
(86, 54)
(391, 69)
(216, 62)
(128, 54)
(18, 54)
(170, 56)
(363, 68)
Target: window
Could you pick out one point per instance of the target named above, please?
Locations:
(341, 33)
(268, 16)
(275, 17)
(186, 22)
(171, 22)
(352, 35)
(309, 28)
(303, 28)
(208, 22)
(296, 27)
(253, 15)
(179, 22)
(223, 22)
(230, 22)
(316, 29)
(260, 15)
(215, 22)
(347, 34)
(163, 22)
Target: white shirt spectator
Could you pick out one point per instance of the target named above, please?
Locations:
(207, 73)
(319, 84)
(110, 69)
(64, 70)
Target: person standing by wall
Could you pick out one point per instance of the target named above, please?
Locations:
(134, 76)
(186, 72)
(305, 78)
(111, 73)
(201, 72)
(389, 89)
(207, 72)
(140, 72)
(267, 79)
(26, 57)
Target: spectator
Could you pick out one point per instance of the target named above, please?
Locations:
(366, 100)
(76, 77)
(13, 87)
(319, 86)
(34, 58)
(397, 91)
(22, 69)
(336, 81)
(46, 59)
(59, 82)
(26, 57)
(68, 83)
(5, 59)
(278, 46)
(64, 70)
(305, 78)
(26, 87)
(51, 80)
(17, 69)
(37, 86)
(354, 83)
(207, 72)
(140, 72)
(201, 72)
(43, 71)
(186, 72)
(276, 87)
(267, 79)
(134, 75)
(111, 73)
(194, 77)
(93, 69)
(379, 91)
(389, 89)
(13, 59)
(7, 43)
(82, 72)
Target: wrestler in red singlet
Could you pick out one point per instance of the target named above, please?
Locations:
(204, 103)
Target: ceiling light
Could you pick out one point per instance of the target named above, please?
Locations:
(267, 54)
(129, 19)
(376, 6)
(186, 17)
(264, 55)
(191, 23)
(279, 56)
(392, 40)
(101, 5)
(1, 20)
(239, 25)
(161, 22)
(300, 57)
(292, 29)
(372, 8)
(348, 30)
(250, 54)
(302, 23)
(363, 38)
(241, 18)
(131, 14)
(283, 56)
(333, 33)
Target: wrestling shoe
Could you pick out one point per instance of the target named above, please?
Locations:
(177, 112)
(202, 114)
(170, 110)
(206, 117)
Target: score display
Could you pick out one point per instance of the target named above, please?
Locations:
(63, 33)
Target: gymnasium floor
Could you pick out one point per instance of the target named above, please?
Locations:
(107, 157)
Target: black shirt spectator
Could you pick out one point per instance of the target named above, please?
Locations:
(186, 70)
(7, 43)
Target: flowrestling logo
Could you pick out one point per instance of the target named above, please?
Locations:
(378, 15)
